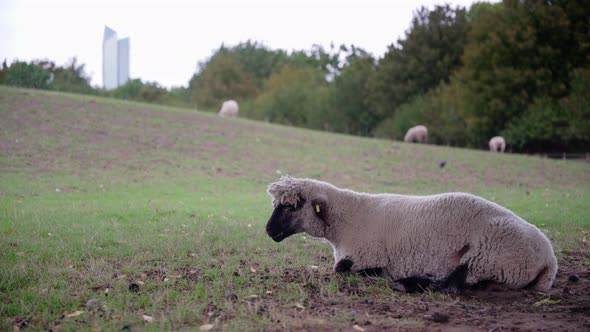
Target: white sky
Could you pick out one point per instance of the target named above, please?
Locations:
(169, 37)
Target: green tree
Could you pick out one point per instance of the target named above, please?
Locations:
(152, 92)
(348, 109)
(221, 78)
(577, 108)
(130, 90)
(71, 77)
(292, 96)
(27, 75)
(3, 72)
(539, 126)
(240, 72)
(258, 60)
(555, 125)
(478, 9)
(429, 54)
(407, 115)
(439, 110)
(519, 62)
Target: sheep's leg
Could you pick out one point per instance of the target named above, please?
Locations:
(412, 284)
(343, 265)
(372, 272)
(455, 283)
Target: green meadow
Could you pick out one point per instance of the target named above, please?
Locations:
(119, 215)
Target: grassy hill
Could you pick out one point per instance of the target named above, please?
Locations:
(121, 210)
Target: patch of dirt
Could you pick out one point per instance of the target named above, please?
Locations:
(565, 308)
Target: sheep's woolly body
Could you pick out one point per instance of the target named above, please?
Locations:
(497, 144)
(229, 108)
(426, 235)
(417, 134)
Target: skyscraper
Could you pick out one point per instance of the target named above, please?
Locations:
(123, 63)
(115, 60)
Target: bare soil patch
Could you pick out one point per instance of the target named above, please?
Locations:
(565, 308)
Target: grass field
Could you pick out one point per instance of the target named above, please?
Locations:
(121, 215)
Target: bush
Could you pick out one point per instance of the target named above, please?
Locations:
(130, 90)
(70, 78)
(3, 72)
(27, 75)
(439, 111)
(555, 125)
(542, 123)
(178, 96)
(220, 79)
(406, 116)
(293, 96)
(577, 107)
(348, 110)
(152, 92)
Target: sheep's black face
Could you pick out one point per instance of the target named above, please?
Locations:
(284, 222)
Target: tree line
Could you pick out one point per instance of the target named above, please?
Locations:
(519, 68)
(71, 77)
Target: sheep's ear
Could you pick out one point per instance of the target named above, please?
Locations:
(320, 208)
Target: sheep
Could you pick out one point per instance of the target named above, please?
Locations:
(450, 241)
(497, 144)
(229, 108)
(417, 134)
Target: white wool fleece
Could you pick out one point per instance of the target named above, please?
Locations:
(418, 134)
(429, 236)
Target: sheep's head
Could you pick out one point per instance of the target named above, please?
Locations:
(297, 208)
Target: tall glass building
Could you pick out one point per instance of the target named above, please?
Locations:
(115, 60)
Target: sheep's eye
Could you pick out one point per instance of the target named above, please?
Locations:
(317, 208)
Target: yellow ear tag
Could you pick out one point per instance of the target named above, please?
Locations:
(317, 208)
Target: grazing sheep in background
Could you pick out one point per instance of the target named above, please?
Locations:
(497, 144)
(448, 241)
(417, 134)
(229, 108)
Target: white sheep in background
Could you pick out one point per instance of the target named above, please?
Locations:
(497, 144)
(417, 134)
(229, 108)
(451, 240)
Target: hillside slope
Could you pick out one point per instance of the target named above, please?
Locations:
(160, 212)
(44, 132)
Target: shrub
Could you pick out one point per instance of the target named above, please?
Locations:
(577, 107)
(70, 78)
(405, 117)
(152, 92)
(542, 123)
(292, 96)
(130, 90)
(27, 75)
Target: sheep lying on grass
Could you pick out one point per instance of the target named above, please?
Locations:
(497, 144)
(229, 108)
(446, 242)
(417, 134)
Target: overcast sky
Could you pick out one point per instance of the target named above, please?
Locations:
(169, 37)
